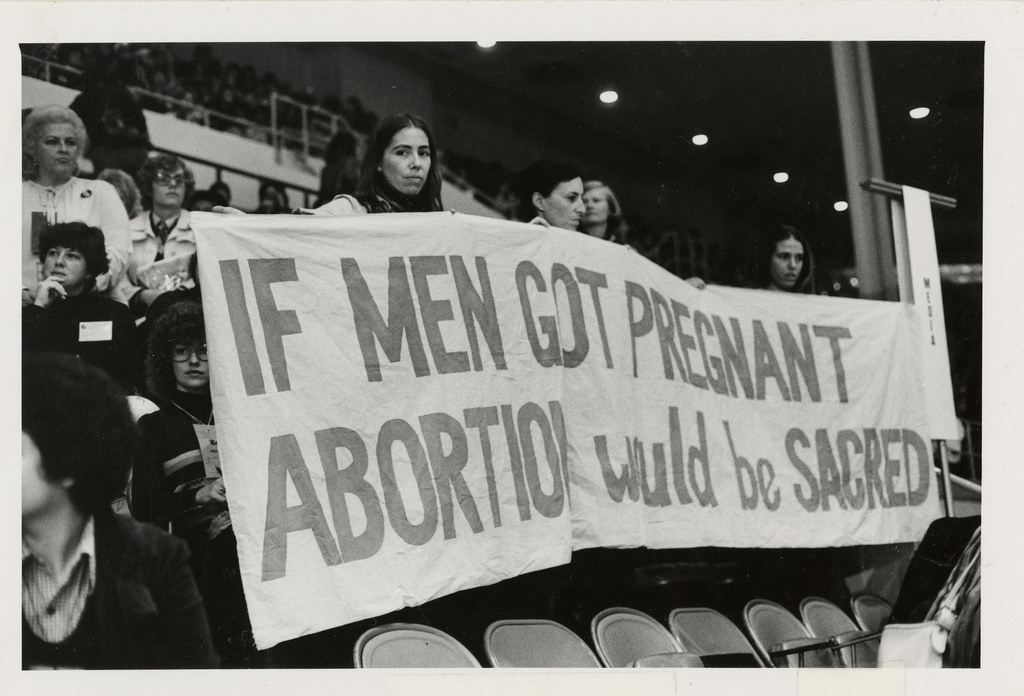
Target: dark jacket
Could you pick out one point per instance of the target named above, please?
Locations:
(56, 329)
(150, 614)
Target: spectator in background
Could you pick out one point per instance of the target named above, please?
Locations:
(126, 189)
(550, 194)
(602, 217)
(99, 591)
(115, 122)
(160, 233)
(52, 139)
(222, 190)
(178, 479)
(68, 317)
(783, 261)
(340, 174)
(204, 201)
(273, 199)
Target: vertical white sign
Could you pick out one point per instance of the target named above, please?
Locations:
(918, 270)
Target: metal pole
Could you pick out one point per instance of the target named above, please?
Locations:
(947, 485)
(305, 133)
(862, 157)
(274, 139)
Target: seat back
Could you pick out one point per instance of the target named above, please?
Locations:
(622, 636)
(398, 645)
(770, 624)
(673, 660)
(704, 631)
(871, 612)
(536, 643)
(825, 620)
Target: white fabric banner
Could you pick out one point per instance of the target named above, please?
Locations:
(401, 399)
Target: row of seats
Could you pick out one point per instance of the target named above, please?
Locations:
(624, 637)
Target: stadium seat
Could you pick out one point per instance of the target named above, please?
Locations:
(781, 639)
(825, 620)
(622, 636)
(871, 612)
(401, 645)
(673, 660)
(536, 643)
(713, 637)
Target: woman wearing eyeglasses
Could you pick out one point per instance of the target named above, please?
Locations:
(161, 232)
(177, 482)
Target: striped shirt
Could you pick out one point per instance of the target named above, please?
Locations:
(53, 605)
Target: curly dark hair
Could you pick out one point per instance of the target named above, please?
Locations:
(88, 241)
(167, 163)
(79, 419)
(182, 324)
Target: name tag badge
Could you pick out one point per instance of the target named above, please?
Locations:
(91, 331)
(207, 436)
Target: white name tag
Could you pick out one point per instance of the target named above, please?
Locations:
(207, 436)
(95, 331)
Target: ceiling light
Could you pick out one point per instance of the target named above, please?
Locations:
(700, 139)
(840, 206)
(486, 44)
(609, 96)
(854, 282)
(781, 177)
(920, 112)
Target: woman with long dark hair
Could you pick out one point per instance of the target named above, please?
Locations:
(399, 172)
(784, 261)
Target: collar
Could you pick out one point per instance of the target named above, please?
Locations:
(86, 546)
(540, 221)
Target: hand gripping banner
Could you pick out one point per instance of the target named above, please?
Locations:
(411, 405)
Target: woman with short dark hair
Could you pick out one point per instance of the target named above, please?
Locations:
(67, 316)
(550, 194)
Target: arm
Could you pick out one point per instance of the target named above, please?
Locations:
(113, 220)
(181, 632)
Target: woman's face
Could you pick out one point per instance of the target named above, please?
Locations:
(169, 189)
(406, 161)
(597, 208)
(191, 369)
(56, 153)
(563, 207)
(67, 267)
(786, 264)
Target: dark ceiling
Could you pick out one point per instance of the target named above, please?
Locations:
(766, 107)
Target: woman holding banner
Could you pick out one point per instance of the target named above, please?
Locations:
(177, 481)
(784, 261)
(550, 194)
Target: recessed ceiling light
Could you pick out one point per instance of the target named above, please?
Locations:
(781, 177)
(854, 282)
(609, 96)
(486, 44)
(700, 139)
(840, 206)
(920, 112)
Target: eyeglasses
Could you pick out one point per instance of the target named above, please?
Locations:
(182, 353)
(165, 179)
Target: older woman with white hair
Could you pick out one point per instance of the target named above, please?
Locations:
(52, 137)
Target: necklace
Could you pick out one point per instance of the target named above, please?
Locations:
(196, 420)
